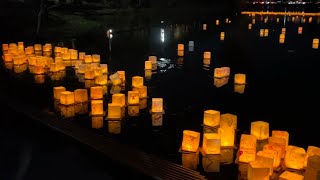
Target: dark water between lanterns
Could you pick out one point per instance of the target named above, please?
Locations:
(282, 80)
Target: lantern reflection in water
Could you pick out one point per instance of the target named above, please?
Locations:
(219, 82)
(222, 36)
(287, 175)
(57, 91)
(133, 110)
(88, 83)
(294, 157)
(115, 89)
(313, 168)
(80, 95)
(114, 127)
(190, 160)
(96, 92)
(97, 107)
(81, 108)
(153, 59)
(157, 119)
(8, 65)
(315, 43)
(243, 171)
(312, 150)
(67, 111)
(239, 88)
(96, 122)
(226, 155)
(211, 163)
(39, 78)
(148, 74)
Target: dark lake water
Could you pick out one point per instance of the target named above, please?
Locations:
(281, 86)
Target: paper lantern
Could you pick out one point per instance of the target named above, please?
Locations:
(82, 55)
(97, 71)
(287, 175)
(157, 119)
(5, 47)
(261, 32)
(239, 78)
(315, 46)
(217, 22)
(211, 143)
(119, 99)
(7, 57)
(180, 53)
(66, 98)
(219, 82)
(228, 120)
(39, 79)
(80, 95)
(207, 55)
(206, 62)
(190, 141)
(96, 92)
(122, 75)
(133, 110)
(39, 70)
(283, 31)
(190, 160)
(204, 27)
(180, 47)
(67, 111)
(266, 160)
(310, 19)
(281, 134)
(87, 59)
(97, 122)
(153, 59)
(247, 149)
(137, 81)
(227, 135)
(274, 151)
(81, 108)
(101, 80)
(260, 130)
(142, 91)
(115, 89)
(250, 26)
(300, 30)
(148, 65)
(20, 68)
(257, 171)
(191, 43)
(294, 157)
(104, 68)
(315, 43)
(221, 72)
(211, 118)
(211, 163)
(95, 58)
(29, 50)
(312, 150)
(222, 36)
(96, 107)
(313, 168)
(281, 142)
(89, 74)
(266, 33)
(115, 79)
(114, 111)
(38, 47)
(157, 105)
(226, 155)
(133, 97)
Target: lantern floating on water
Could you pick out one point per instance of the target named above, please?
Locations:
(313, 168)
(180, 53)
(221, 72)
(280, 142)
(101, 80)
(247, 149)
(271, 153)
(211, 143)
(148, 65)
(87, 59)
(7, 57)
(180, 50)
(82, 55)
(315, 43)
(219, 82)
(287, 175)
(142, 91)
(80, 95)
(115, 79)
(239, 78)
(250, 26)
(190, 141)
(38, 47)
(312, 150)
(66, 98)
(137, 81)
(204, 27)
(157, 105)
(57, 91)
(211, 118)
(217, 22)
(299, 30)
(5, 47)
(153, 59)
(133, 97)
(207, 55)
(294, 157)
(96, 107)
(104, 68)
(283, 31)
(89, 74)
(114, 127)
(227, 135)
(119, 99)
(260, 130)
(222, 35)
(96, 92)
(266, 160)
(266, 33)
(114, 111)
(261, 32)
(96, 58)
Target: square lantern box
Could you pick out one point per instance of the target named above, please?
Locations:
(315, 46)
(211, 118)
(222, 36)
(122, 76)
(97, 122)
(227, 135)
(257, 171)
(80, 95)
(114, 112)
(114, 127)
(312, 150)
(5, 47)
(148, 65)
(206, 62)
(65, 56)
(226, 155)
(287, 175)
(7, 57)
(207, 55)
(38, 47)
(9, 65)
(143, 103)
(82, 55)
(87, 59)
(157, 105)
(67, 111)
(20, 68)
(280, 142)
(39, 78)
(89, 74)
(96, 92)
(261, 32)
(247, 149)
(211, 143)
(115, 89)
(104, 68)
(101, 80)
(204, 27)
(180, 47)
(219, 82)
(211, 163)
(281, 134)
(180, 53)
(221, 72)
(142, 91)
(217, 22)
(294, 157)
(313, 168)
(57, 91)
(119, 99)
(190, 160)
(283, 30)
(53, 68)
(82, 108)
(274, 151)
(133, 110)
(266, 33)
(66, 98)
(260, 130)
(98, 72)
(239, 78)
(190, 141)
(115, 79)
(97, 107)
(228, 120)
(133, 97)
(266, 160)
(153, 59)
(157, 119)
(137, 81)
(95, 58)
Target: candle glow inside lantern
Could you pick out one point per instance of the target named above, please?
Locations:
(280, 142)
(114, 111)
(221, 72)
(239, 88)
(287, 175)
(66, 98)
(97, 107)
(38, 47)
(240, 78)
(115, 79)
(266, 160)
(313, 168)
(211, 143)
(153, 59)
(97, 71)
(261, 32)
(157, 105)
(315, 43)
(67, 111)
(228, 120)
(180, 50)
(39, 70)
(204, 27)
(222, 36)
(122, 76)
(133, 110)
(5, 47)
(137, 81)
(282, 38)
(148, 65)
(142, 91)
(101, 80)
(87, 59)
(7, 57)
(217, 22)
(266, 33)
(96, 92)
(294, 157)
(300, 30)
(211, 118)
(180, 53)
(257, 171)
(89, 74)
(96, 58)
(312, 150)
(119, 99)
(227, 135)
(247, 149)
(80, 95)
(273, 151)
(260, 130)
(207, 55)
(133, 97)
(281, 134)
(190, 141)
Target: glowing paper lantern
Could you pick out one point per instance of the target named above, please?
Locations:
(157, 119)
(247, 149)
(87, 59)
(148, 65)
(104, 68)
(114, 111)
(281, 142)
(217, 22)
(250, 26)
(67, 111)
(266, 160)
(294, 157)
(157, 105)
(222, 35)
(227, 135)
(7, 57)
(180, 53)
(133, 97)
(228, 120)
(260, 130)
(38, 47)
(300, 30)
(97, 122)
(142, 91)
(282, 38)
(180, 47)
(283, 31)
(313, 168)
(312, 150)
(266, 33)
(115, 79)
(133, 110)
(211, 163)
(95, 58)
(96, 92)
(80, 95)
(211, 143)
(211, 118)
(281, 134)
(119, 99)
(98, 72)
(239, 78)
(66, 98)
(190, 141)
(274, 151)
(82, 55)
(287, 175)
(315, 43)
(101, 80)
(153, 59)
(261, 32)
(257, 171)
(137, 81)
(239, 88)
(221, 72)
(89, 74)
(122, 76)
(97, 107)
(204, 27)
(207, 55)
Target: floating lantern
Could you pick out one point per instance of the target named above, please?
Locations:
(217, 22)
(114, 127)
(211, 163)
(250, 26)
(119, 99)
(87, 59)
(310, 19)
(157, 105)
(281, 142)
(96, 92)
(67, 111)
(266, 160)
(222, 35)
(95, 58)
(104, 68)
(247, 149)
(260, 130)
(137, 81)
(115, 89)
(211, 118)
(39, 79)
(211, 143)
(287, 175)
(89, 74)
(153, 59)
(253, 21)
(5, 47)
(204, 27)
(148, 65)
(221, 72)
(133, 97)
(114, 111)
(190, 160)
(266, 33)
(257, 170)
(38, 70)
(97, 122)
(65, 56)
(157, 119)
(206, 62)
(300, 30)
(80, 95)
(274, 151)
(97, 71)
(239, 78)
(96, 107)
(228, 120)
(66, 98)
(261, 32)
(29, 50)
(20, 68)
(313, 168)
(281, 134)
(265, 20)
(122, 75)
(294, 157)
(142, 91)
(115, 79)
(227, 135)
(7, 57)
(207, 55)
(315, 43)
(190, 141)
(101, 80)
(64, 50)
(312, 150)
(133, 110)
(38, 47)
